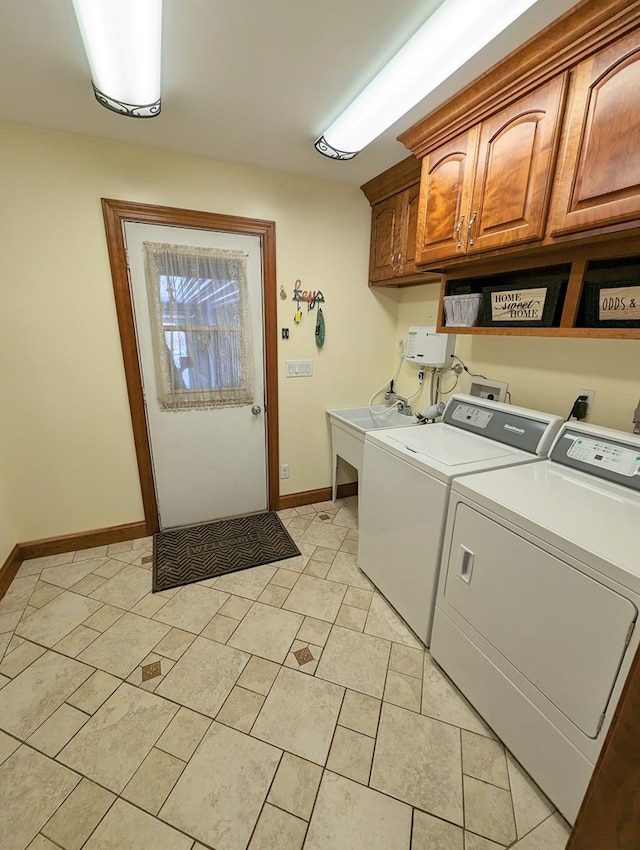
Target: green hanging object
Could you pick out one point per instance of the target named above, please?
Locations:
(320, 328)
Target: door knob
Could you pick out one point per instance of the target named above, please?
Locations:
(256, 410)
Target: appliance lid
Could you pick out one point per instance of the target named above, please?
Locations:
(448, 446)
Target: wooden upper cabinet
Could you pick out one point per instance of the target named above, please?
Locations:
(598, 181)
(513, 175)
(445, 190)
(385, 236)
(394, 197)
(490, 187)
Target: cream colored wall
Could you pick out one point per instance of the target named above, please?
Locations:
(542, 373)
(70, 456)
(69, 459)
(8, 537)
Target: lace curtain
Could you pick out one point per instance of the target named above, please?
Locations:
(200, 326)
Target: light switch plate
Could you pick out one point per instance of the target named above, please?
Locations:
(299, 368)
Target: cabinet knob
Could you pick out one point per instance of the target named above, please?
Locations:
(471, 240)
(458, 230)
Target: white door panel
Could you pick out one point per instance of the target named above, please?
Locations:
(210, 463)
(565, 632)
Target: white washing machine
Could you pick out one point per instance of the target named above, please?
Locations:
(406, 477)
(538, 599)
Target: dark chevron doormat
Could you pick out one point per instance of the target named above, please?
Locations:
(198, 552)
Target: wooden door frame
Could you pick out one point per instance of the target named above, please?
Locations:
(116, 213)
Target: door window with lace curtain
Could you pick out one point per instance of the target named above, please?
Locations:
(199, 321)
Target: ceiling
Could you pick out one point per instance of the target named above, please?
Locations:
(243, 81)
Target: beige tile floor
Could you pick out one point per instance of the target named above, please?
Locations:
(282, 707)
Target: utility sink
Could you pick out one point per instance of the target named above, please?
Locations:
(348, 427)
(361, 419)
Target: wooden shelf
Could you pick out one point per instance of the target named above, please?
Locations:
(572, 315)
(573, 333)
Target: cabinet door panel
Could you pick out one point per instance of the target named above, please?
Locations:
(516, 156)
(385, 236)
(600, 179)
(447, 175)
(410, 228)
(509, 164)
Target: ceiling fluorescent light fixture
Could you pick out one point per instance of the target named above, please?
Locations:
(454, 33)
(122, 40)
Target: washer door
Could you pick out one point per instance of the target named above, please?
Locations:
(563, 631)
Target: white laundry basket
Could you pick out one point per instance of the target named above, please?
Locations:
(461, 311)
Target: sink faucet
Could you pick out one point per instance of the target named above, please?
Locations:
(400, 402)
(403, 406)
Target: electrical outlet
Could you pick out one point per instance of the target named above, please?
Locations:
(590, 394)
(284, 470)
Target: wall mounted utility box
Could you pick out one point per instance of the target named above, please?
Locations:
(428, 348)
(486, 388)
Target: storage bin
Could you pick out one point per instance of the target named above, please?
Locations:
(461, 311)
(611, 305)
(534, 304)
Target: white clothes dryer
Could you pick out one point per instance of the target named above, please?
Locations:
(406, 477)
(538, 599)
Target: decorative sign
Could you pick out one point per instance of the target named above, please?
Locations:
(620, 303)
(310, 297)
(518, 305)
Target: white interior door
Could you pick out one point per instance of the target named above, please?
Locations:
(207, 463)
